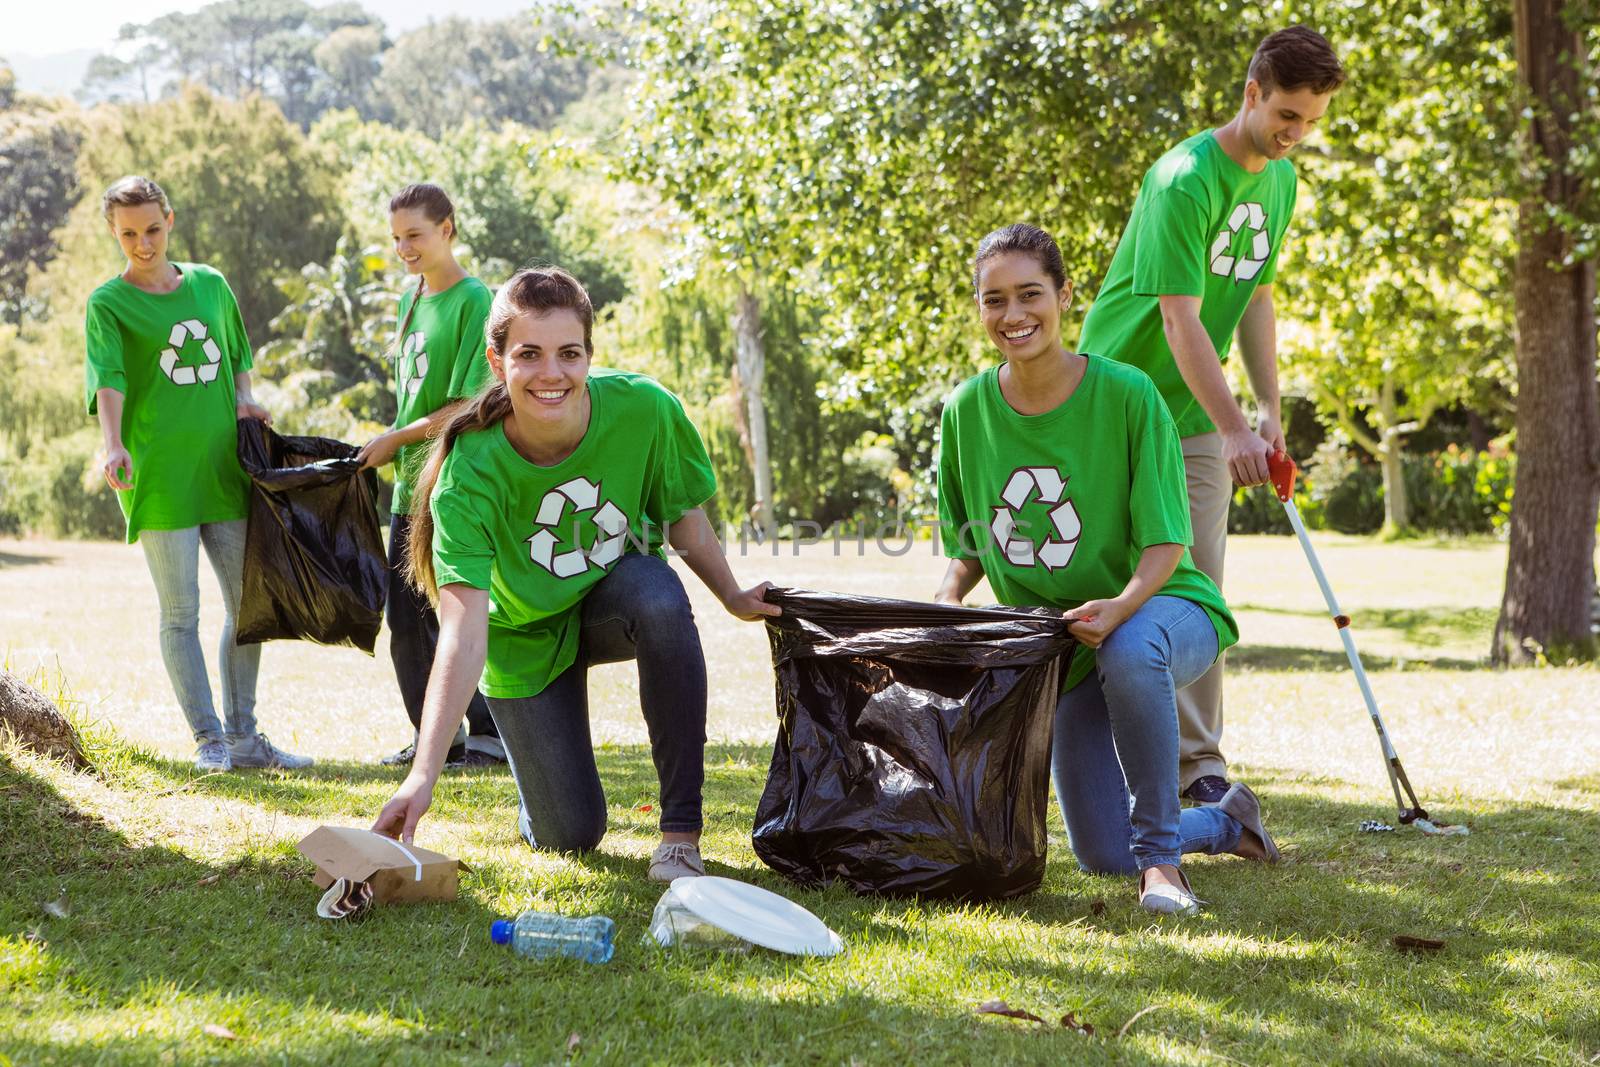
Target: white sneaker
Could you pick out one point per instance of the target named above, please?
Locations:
(212, 756)
(679, 859)
(257, 751)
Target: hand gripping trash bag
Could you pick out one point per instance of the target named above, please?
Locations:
(314, 562)
(913, 751)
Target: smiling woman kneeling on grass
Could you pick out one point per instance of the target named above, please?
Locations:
(526, 523)
(1061, 479)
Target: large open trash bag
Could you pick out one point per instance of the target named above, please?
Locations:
(913, 751)
(314, 562)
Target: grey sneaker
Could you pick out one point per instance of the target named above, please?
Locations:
(257, 751)
(679, 859)
(211, 756)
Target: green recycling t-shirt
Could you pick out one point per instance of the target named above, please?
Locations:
(1201, 226)
(441, 358)
(539, 538)
(1058, 507)
(173, 357)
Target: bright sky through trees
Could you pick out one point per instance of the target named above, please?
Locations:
(46, 29)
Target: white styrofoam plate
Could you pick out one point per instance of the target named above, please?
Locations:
(758, 915)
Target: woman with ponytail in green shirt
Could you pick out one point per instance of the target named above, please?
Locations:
(538, 522)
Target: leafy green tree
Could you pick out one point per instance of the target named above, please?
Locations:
(236, 48)
(860, 151)
(1392, 299)
(521, 198)
(251, 197)
(38, 156)
(117, 80)
(675, 325)
(348, 59)
(326, 367)
(492, 71)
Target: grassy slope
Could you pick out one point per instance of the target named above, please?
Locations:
(1287, 965)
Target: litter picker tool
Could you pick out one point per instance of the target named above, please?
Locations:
(1283, 470)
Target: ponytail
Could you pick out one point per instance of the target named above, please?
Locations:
(488, 408)
(400, 337)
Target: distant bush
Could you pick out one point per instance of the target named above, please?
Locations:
(1457, 491)
(55, 488)
(1460, 491)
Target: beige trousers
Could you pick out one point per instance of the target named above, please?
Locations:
(1200, 702)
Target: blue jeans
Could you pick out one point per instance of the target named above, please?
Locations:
(1115, 755)
(638, 611)
(174, 560)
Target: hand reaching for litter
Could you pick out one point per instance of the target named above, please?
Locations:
(405, 809)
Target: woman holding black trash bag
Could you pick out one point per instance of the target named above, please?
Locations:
(1061, 480)
(537, 522)
(168, 375)
(438, 366)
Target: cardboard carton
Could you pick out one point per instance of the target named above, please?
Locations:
(396, 872)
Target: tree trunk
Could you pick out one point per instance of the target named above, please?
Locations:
(38, 723)
(1396, 505)
(1550, 571)
(752, 365)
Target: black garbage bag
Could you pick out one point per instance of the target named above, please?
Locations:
(913, 751)
(315, 568)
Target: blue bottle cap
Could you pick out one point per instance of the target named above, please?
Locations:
(500, 931)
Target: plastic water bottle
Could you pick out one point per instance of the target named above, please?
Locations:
(539, 935)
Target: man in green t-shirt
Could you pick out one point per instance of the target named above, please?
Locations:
(1194, 269)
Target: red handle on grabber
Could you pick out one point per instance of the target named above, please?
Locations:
(1281, 469)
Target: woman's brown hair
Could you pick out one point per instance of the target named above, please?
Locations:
(536, 291)
(131, 192)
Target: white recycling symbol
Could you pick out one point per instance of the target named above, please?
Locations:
(1252, 218)
(609, 521)
(413, 355)
(1056, 551)
(182, 333)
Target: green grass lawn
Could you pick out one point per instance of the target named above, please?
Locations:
(187, 905)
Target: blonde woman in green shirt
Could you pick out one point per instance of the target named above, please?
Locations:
(168, 375)
(438, 365)
(1061, 481)
(538, 523)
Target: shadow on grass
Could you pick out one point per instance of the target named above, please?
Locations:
(1428, 627)
(1286, 963)
(1288, 658)
(15, 559)
(626, 772)
(157, 937)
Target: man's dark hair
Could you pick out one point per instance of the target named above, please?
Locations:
(1296, 58)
